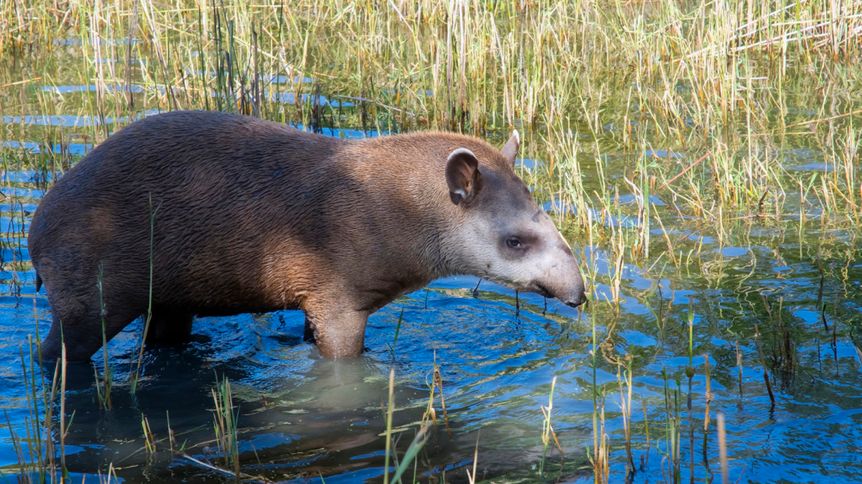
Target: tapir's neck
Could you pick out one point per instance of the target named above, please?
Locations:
(417, 233)
(406, 213)
(407, 207)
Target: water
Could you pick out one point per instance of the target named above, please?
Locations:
(301, 416)
(781, 296)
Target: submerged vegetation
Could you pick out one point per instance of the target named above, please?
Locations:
(703, 154)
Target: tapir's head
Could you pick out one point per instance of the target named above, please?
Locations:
(503, 234)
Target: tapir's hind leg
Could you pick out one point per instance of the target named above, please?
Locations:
(79, 326)
(80, 344)
(169, 327)
(82, 301)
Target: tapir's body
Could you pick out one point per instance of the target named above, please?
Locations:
(221, 214)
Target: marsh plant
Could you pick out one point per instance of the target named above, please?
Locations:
(701, 155)
(40, 450)
(225, 417)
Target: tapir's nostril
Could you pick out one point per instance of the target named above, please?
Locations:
(577, 301)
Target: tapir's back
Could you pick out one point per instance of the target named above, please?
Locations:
(191, 150)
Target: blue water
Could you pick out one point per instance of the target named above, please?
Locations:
(301, 416)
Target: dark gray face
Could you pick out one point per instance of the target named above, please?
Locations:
(505, 236)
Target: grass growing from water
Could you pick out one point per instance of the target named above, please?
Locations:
(390, 407)
(135, 374)
(641, 114)
(103, 387)
(548, 435)
(411, 455)
(225, 416)
(39, 457)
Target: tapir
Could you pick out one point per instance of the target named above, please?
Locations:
(195, 213)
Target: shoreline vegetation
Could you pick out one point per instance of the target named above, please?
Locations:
(666, 137)
(716, 96)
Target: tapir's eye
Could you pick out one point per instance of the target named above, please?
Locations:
(514, 243)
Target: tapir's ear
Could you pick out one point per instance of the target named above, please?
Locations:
(510, 150)
(462, 175)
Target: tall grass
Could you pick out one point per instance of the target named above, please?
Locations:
(713, 91)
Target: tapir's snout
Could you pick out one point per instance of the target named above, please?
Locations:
(564, 281)
(573, 294)
(576, 300)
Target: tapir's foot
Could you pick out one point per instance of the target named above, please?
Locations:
(337, 333)
(169, 328)
(79, 345)
(81, 336)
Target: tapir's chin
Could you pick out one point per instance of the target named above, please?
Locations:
(575, 302)
(570, 297)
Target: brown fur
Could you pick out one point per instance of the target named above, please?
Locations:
(249, 216)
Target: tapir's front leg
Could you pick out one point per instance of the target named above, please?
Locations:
(338, 331)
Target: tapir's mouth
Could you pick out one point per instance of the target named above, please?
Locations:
(544, 291)
(575, 304)
(537, 288)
